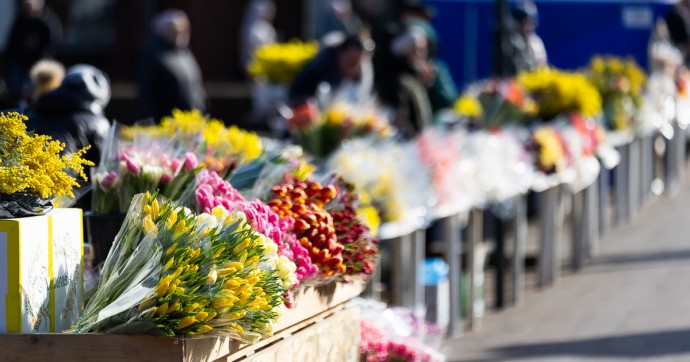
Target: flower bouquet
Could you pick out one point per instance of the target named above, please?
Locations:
(167, 156)
(174, 272)
(495, 103)
(389, 174)
(280, 63)
(620, 83)
(551, 154)
(441, 154)
(321, 132)
(500, 164)
(397, 335)
(211, 192)
(557, 92)
(32, 172)
(355, 225)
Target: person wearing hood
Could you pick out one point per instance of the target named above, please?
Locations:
(170, 76)
(73, 113)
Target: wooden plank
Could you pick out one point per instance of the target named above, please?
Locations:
(239, 352)
(336, 338)
(89, 347)
(311, 301)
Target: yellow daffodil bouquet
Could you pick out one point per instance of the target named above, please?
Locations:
(280, 63)
(558, 92)
(172, 272)
(32, 171)
(620, 82)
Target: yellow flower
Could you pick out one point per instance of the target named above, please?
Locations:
(150, 226)
(468, 106)
(212, 277)
(550, 147)
(186, 322)
(336, 115)
(561, 92)
(370, 217)
(279, 63)
(32, 163)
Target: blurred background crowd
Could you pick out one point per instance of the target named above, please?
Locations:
(147, 57)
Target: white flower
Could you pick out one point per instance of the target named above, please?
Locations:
(206, 222)
(220, 214)
(286, 270)
(152, 173)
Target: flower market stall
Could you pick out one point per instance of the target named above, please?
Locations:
(212, 243)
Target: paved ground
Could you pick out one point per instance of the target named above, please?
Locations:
(631, 303)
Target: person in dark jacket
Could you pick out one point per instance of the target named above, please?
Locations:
(332, 66)
(74, 115)
(74, 112)
(527, 51)
(170, 76)
(32, 38)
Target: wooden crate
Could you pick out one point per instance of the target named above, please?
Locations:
(316, 309)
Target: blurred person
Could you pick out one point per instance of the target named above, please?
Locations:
(257, 29)
(32, 38)
(333, 66)
(405, 85)
(678, 23)
(169, 75)
(420, 16)
(45, 75)
(339, 18)
(442, 90)
(527, 48)
(74, 112)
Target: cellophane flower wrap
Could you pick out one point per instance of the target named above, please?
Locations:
(280, 63)
(441, 153)
(167, 157)
(620, 83)
(145, 163)
(173, 272)
(32, 171)
(558, 92)
(212, 191)
(500, 164)
(390, 174)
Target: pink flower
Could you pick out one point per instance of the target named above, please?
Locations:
(175, 166)
(109, 179)
(165, 179)
(190, 161)
(131, 166)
